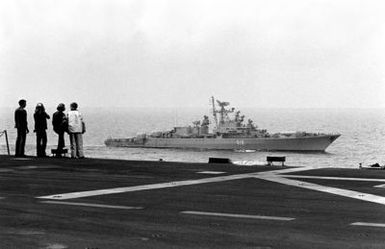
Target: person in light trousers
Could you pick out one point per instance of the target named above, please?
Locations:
(76, 128)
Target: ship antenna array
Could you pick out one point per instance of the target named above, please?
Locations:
(214, 111)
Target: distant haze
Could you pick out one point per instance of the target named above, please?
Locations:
(174, 53)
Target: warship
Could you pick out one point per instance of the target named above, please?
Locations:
(230, 133)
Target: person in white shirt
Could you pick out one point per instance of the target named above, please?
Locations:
(76, 128)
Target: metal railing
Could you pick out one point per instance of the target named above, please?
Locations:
(4, 132)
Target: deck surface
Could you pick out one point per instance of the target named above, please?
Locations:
(104, 204)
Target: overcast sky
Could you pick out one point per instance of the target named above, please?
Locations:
(174, 53)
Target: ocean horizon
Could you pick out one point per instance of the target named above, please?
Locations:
(362, 133)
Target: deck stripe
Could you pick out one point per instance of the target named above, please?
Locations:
(74, 195)
(368, 224)
(89, 205)
(211, 172)
(380, 186)
(81, 194)
(336, 178)
(245, 216)
(331, 190)
(285, 170)
(272, 176)
(6, 170)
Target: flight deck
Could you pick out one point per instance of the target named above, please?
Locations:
(98, 203)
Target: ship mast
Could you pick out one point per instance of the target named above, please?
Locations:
(214, 112)
(223, 112)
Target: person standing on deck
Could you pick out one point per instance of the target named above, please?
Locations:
(60, 125)
(21, 125)
(76, 128)
(41, 117)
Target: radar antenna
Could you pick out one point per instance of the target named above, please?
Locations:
(223, 112)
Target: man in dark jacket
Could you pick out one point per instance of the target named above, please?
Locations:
(40, 117)
(59, 122)
(21, 125)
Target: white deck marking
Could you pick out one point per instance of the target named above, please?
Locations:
(21, 159)
(380, 186)
(283, 171)
(272, 176)
(326, 189)
(28, 167)
(246, 216)
(211, 172)
(81, 194)
(90, 205)
(336, 178)
(368, 224)
(6, 170)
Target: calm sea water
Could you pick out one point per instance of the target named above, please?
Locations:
(362, 139)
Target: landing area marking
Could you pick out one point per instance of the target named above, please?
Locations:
(89, 205)
(74, 195)
(273, 176)
(336, 178)
(331, 190)
(211, 172)
(244, 216)
(366, 224)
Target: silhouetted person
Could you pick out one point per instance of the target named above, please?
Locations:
(60, 125)
(75, 129)
(21, 125)
(40, 117)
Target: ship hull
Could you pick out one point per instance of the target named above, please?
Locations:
(305, 143)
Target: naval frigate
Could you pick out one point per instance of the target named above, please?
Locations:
(230, 133)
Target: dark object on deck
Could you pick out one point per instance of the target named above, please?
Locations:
(219, 160)
(6, 139)
(372, 166)
(56, 154)
(271, 159)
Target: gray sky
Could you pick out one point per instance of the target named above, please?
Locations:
(174, 53)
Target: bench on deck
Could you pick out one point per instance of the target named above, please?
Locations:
(219, 160)
(271, 159)
(63, 152)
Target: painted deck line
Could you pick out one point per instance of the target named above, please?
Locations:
(6, 170)
(28, 167)
(21, 159)
(368, 224)
(211, 172)
(81, 194)
(74, 195)
(331, 190)
(90, 205)
(284, 171)
(336, 178)
(245, 216)
(380, 186)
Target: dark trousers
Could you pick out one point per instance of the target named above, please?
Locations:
(60, 144)
(41, 142)
(20, 142)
